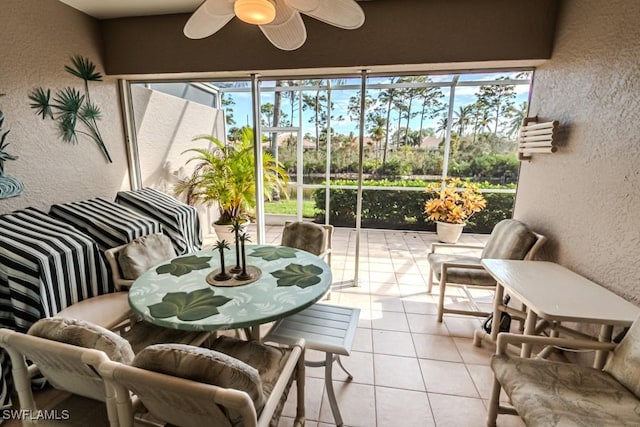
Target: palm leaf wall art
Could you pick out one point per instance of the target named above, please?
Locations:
(72, 109)
(9, 186)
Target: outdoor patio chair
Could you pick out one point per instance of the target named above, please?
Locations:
(310, 237)
(510, 239)
(126, 262)
(548, 393)
(67, 354)
(235, 383)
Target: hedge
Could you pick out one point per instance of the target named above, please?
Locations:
(403, 210)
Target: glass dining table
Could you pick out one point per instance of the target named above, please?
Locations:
(181, 294)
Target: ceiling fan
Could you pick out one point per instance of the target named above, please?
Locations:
(279, 20)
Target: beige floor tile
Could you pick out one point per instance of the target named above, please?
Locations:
(363, 340)
(361, 301)
(472, 354)
(389, 321)
(462, 327)
(382, 288)
(421, 303)
(426, 324)
(386, 303)
(482, 377)
(410, 279)
(313, 391)
(405, 266)
(398, 372)
(381, 267)
(436, 347)
(393, 343)
(359, 364)
(447, 378)
(395, 407)
(457, 411)
(356, 402)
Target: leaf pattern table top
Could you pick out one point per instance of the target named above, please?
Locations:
(176, 295)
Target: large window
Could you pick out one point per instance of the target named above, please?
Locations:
(416, 129)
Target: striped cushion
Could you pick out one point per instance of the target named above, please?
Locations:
(106, 222)
(179, 221)
(510, 239)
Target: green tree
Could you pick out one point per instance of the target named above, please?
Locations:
(497, 99)
(227, 102)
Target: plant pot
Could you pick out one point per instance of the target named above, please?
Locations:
(224, 231)
(448, 233)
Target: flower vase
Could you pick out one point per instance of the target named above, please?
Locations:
(448, 233)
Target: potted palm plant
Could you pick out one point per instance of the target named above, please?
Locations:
(451, 206)
(225, 175)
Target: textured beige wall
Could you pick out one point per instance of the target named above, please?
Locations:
(586, 197)
(395, 32)
(36, 40)
(165, 127)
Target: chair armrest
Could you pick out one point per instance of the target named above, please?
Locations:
(448, 265)
(296, 356)
(505, 338)
(435, 246)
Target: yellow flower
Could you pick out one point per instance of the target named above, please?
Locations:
(453, 205)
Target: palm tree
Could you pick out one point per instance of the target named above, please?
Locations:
(387, 97)
(517, 115)
(462, 118)
(442, 124)
(225, 174)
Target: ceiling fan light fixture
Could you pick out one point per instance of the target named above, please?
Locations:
(257, 12)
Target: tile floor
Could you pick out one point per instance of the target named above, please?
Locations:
(409, 370)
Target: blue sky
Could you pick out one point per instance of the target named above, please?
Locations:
(464, 95)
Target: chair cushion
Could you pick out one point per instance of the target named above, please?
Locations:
(467, 276)
(268, 360)
(624, 364)
(559, 394)
(143, 253)
(510, 239)
(306, 236)
(143, 334)
(106, 310)
(84, 334)
(205, 366)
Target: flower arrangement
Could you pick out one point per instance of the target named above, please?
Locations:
(452, 205)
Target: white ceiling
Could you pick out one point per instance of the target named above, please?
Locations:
(104, 9)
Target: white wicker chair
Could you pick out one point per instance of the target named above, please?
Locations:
(189, 403)
(510, 239)
(67, 367)
(111, 310)
(549, 393)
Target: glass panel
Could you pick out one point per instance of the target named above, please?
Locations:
(485, 126)
(402, 137)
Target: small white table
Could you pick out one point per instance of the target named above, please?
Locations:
(556, 294)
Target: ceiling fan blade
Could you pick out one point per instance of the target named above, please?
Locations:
(209, 18)
(287, 30)
(345, 14)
